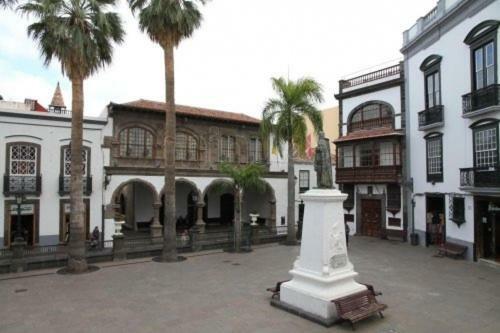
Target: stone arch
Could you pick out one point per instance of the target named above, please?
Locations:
(120, 187)
(181, 180)
(215, 182)
(267, 208)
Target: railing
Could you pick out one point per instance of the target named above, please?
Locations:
(138, 242)
(480, 177)
(13, 185)
(65, 185)
(60, 111)
(376, 174)
(376, 75)
(480, 99)
(430, 116)
(42, 250)
(430, 16)
(5, 252)
(371, 123)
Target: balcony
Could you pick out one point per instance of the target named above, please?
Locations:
(431, 118)
(488, 178)
(377, 174)
(481, 101)
(65, 185)
(372, 76)
(27, 185)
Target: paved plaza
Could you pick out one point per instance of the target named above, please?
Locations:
(225, 292)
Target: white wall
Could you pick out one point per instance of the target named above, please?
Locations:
(457, 136)
(51, 135)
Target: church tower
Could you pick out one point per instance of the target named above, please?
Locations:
(57, 105)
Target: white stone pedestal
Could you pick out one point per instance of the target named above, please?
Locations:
(322, 272)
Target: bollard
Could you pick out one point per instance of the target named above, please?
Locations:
(119, 252)
(18, 264)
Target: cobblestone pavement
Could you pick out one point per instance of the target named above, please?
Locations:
(224, 292)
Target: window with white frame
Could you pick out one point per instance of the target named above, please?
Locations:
(484, 65)
(67, 161)
(303, 181)
(227, 148)
(346, 157)
(23, 159)
(486, 146)
(434, 145)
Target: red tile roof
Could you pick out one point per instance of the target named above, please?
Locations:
(369, 134)
(192, 111)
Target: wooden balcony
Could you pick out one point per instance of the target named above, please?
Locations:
(27, 185)
(480, 177)
(65, 185)
(431, 118)
(481, 101)
(376, 174)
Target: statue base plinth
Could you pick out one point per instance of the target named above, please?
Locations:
(323, 271)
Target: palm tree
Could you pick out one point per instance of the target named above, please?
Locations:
(243, 178)
(80, 35)
(7, 3)
(283, 120)
(168, 22)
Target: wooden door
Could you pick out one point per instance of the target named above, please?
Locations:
(371, 217)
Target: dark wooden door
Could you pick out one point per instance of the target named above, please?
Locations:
(371, 217)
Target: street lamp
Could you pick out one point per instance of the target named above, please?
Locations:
(19, 237)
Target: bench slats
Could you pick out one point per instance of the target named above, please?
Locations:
(358, 306)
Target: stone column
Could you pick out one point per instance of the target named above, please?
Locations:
(156, 228)
(200, 224)
(18, 263)
(272, 219)
(119, 252)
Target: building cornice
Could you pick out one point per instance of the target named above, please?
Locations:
(42, 116)
(142, 171)
(369, 89)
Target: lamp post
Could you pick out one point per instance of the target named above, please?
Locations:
(19, 234)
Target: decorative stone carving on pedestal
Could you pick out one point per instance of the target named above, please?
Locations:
(322, 272)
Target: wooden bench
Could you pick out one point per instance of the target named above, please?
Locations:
(452, 250)
(358, 306)
(276, 289)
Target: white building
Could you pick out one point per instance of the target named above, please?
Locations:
(34, 150)
(452, 136)
(370, 151)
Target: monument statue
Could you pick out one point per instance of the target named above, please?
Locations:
(323, 162)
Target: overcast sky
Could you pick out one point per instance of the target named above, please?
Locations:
(228, 63)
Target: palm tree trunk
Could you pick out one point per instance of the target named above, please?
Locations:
(237, 220)
(291, 238)
(169, 252)
(77, 262)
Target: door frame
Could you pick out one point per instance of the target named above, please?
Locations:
(436, 195)
(382, 199)
(7, 220)
(478, 235)
(86, 204)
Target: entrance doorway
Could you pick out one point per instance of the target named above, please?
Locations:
(435, 219)
(227, 208)
(28, 221)
(488, 228)
(371, 217)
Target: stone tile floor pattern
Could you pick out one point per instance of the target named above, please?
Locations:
(224, 292)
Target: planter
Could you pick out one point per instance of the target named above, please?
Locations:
(118, 228)
(253, 218)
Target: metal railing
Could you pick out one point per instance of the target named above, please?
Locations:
(372, 76)
(480, 99)
(65, 185)
(41, 250)
(430, 116)
(5, 252)
(13, 185)
(480, 177)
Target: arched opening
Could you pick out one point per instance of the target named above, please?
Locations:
(219, 204)
(135, 200)
(262, 203)
(187, 197)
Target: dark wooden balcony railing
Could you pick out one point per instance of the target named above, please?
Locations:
(13, 185)
(376, 174)
(371, 123)
(373, 76)
(430, 116)
(480, 177)
(482, 98)
(65, 185)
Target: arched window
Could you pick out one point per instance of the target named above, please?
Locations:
(371, 115)
(186, 147)
(136, 142)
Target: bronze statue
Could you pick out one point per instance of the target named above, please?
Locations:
(323, 162)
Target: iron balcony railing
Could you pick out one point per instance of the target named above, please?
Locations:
(430, 116)
(65, 185)
(480, 177)
(13, 185)
(373, 76)
(482, 98)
